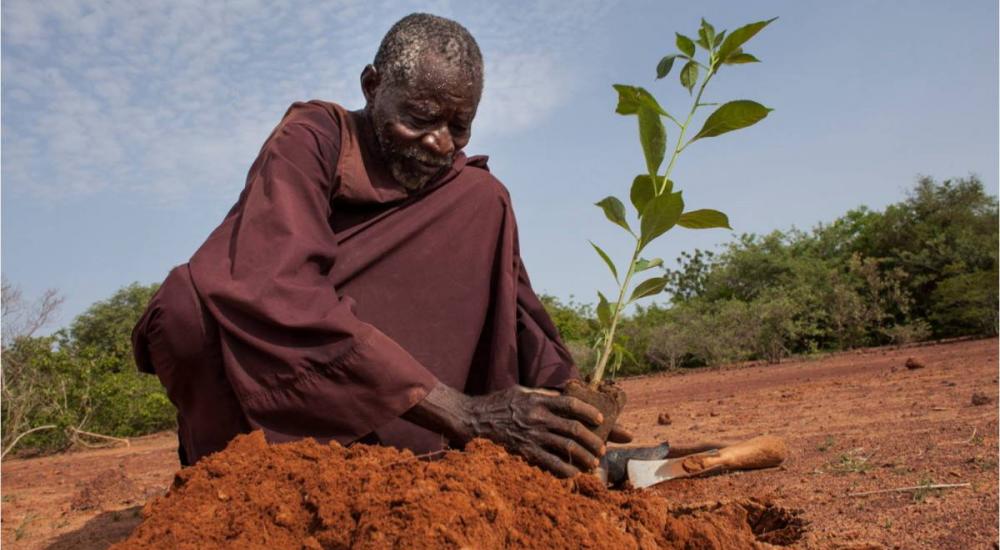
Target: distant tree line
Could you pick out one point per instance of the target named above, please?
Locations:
(78, 386)
(923, 268)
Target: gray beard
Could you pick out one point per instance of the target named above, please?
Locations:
(410, 180)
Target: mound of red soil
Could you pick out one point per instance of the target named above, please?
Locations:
(307, 495)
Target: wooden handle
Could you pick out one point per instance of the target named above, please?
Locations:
(765, 451)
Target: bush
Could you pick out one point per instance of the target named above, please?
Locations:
(82, 380)
(965, 304)
(909, 333)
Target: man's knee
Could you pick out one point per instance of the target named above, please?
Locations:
(176, 338)
(181, 329)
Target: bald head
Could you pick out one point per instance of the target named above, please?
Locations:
(419, 35)
(421, 96)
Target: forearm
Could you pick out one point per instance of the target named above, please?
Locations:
(444, 410)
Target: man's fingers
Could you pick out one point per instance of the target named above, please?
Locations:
(541, 391)
(620, 434)
(578, 432)
(570, 451)
(571, 407)
(546, 461)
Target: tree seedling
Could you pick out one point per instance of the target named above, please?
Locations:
(658, 205)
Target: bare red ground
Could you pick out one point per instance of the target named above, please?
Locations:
(854, 422)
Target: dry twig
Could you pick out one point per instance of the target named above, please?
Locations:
(912, 488)
(18, 438)
(78, 432)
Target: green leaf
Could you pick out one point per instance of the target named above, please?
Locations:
(631, 97)
(660, 214)
(703, 219)
(718, 39)
(740, 58)
(615, 211)
(739, 37)
(732, 116)
(653, 137)
(664, 66)
(604, 256)
(642, 191)
(603, 310)
(689, 75)
(643, 264)
(685, 45)
(623, 352)
(706, 34)
(648, 287)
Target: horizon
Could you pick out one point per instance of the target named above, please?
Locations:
(127, 131)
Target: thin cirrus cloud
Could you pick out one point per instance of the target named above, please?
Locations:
(165, 98)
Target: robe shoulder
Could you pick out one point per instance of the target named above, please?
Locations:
(479, 175)
(321, 116)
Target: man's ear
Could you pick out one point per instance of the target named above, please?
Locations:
(370, 80)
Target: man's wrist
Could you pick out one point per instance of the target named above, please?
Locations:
(447, 411)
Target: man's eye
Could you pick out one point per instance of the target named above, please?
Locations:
(421, 120)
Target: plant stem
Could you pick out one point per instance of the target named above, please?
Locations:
(609, 338)
(680, 138)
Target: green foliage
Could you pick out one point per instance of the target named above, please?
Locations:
(82, 380)
(703, 219)
(574, 321)
(658, 216)
(731, 116)
(859, 280)
(965, 304)
(107, 325)
(941, 230)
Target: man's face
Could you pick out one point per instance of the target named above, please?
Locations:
(421, 125)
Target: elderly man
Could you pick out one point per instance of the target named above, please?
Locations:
(367, 284)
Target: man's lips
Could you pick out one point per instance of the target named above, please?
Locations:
(426, 167)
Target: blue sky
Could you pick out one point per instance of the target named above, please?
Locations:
(128, 127)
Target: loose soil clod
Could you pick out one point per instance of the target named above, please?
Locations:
(979, 398)
(307, 495)
(609, 398)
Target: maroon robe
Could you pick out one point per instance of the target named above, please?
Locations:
(330, 300)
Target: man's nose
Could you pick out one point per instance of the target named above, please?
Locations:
(439, 141)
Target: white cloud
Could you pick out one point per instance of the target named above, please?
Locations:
(521, 90)
(165, 98)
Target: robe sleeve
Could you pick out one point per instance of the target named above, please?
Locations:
(544, 362)
(300, 362)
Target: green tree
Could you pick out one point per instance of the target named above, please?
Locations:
(966, 304)
(107, 325)
(940, 231)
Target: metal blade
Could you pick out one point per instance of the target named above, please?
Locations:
(646, 473)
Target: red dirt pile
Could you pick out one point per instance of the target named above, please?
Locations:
(312, 496)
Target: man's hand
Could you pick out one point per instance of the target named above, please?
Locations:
(548, 429)
(620, 434)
